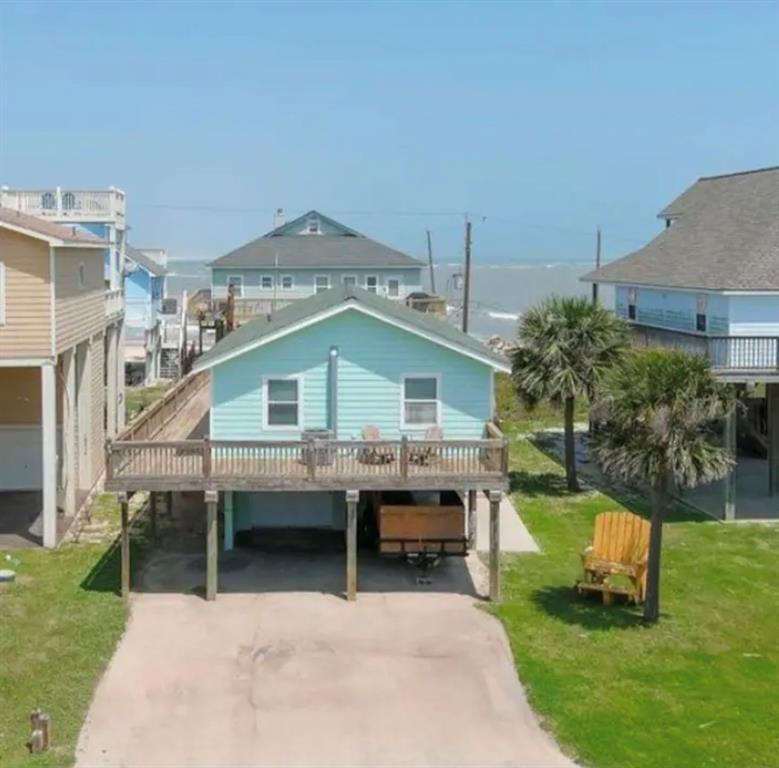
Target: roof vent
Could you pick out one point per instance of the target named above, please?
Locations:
(278, 218)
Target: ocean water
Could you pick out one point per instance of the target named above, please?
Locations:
(499, 293)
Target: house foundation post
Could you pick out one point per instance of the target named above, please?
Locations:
(731, 447)
(153, 515)
(352, 497)
(212, 499)
(229, 533)
(772, 396)
(495, 498)
(125, 543)
(472, 520)
(111, 383)
(49, 458)
(69, 443)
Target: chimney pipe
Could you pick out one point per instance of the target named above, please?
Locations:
(278, 218)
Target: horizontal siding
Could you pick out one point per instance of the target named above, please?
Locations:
(373, 356)
(27, 328)
(80, 312)
(675, 310)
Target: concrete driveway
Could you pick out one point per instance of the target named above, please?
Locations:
(293, 675)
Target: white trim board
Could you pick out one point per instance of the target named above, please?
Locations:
(346, 306)
(684, 289)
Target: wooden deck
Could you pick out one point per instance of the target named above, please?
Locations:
(306, 465)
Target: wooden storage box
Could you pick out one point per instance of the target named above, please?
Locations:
(414, 528)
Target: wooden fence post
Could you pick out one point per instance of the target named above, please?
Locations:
(206, 457)
(404, 457)
(472, 519)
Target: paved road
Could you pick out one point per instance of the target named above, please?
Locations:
(294, 676)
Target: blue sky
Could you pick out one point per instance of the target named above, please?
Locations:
(545, 118)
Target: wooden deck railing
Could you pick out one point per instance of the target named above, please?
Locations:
(305, 464)
(151, 421)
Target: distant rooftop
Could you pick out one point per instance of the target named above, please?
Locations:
(68, 234)
(315, 240)
(146, 262)
(724, 236)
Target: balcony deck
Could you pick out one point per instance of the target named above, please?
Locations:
(159, 452)
(67, 204)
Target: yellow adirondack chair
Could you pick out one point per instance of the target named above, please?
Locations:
(620, 546)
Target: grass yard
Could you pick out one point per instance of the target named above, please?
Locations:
(140, 398)
(59, 624)
(699, 689)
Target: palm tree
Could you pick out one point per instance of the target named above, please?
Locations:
(564, 347)
(658, 412)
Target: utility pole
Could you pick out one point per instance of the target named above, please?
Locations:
(467, 289)
(430, 262)
(597, 265)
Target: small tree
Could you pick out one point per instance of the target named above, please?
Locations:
(658, 412)
(564, 347)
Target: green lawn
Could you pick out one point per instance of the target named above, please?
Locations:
(699, 689)
(139, 398)
(59, 624)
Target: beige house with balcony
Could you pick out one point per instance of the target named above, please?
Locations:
(61, 373)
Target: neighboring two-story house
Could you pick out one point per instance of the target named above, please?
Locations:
(61, 372)
(148, 326)
(310, 255)
(709, 283)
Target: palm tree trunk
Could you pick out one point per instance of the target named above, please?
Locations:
(652, 599)
(570, 445)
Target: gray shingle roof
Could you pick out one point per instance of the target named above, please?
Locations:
(69, 234)
(724, 236)
(297, 311)
(345, 247)
(142, 260)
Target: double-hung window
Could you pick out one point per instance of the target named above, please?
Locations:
(321, 283)
(266, 282)
(283, 403)
(372, 284)
(287, 282)
(421, 401)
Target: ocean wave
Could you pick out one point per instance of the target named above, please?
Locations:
(503, 316)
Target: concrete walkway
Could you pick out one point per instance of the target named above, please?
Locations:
(295, 676)
(514, 537)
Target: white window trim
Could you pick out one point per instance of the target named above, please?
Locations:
(400, 286)
(376, 278)
(437, 377)
(266, 287)
(265, 404)
(281, 282)
(352, 277)
(239, 280)
(326, 277)
(2, 293)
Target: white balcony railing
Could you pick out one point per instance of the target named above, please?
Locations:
(62, 204)
(114, 303)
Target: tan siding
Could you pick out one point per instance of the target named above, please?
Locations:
(20, 401)
(97, 419)
(80, 311)
(27, 328)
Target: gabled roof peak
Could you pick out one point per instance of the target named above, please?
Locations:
(322, 225)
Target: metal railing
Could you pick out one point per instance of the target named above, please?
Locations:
(138, 463)
(725, 353)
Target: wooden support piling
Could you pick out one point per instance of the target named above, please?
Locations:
(212, 499)
(125, 544)
(153, 515)
(352, 497)
(731, 447)
(472, 520)
(495, 498)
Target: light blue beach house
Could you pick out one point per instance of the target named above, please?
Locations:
(316, 412)
(709, 284)
(310, 255)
